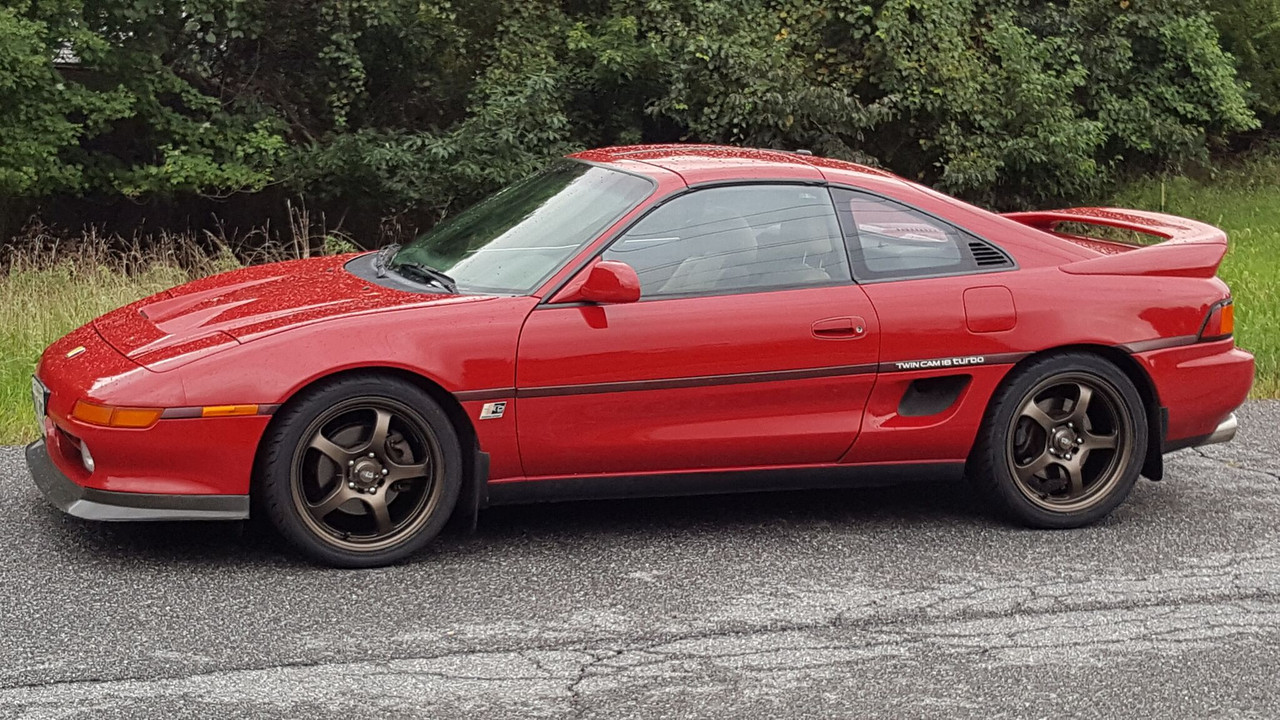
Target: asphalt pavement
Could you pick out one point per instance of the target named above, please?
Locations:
(903, 602)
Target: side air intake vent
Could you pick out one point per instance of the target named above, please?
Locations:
(988, 256)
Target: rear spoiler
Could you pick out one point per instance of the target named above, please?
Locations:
(1191, 248)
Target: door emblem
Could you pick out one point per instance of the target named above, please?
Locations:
(493, 410)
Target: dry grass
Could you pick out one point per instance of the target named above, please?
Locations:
(50, 285)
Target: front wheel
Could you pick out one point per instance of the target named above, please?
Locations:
(361, 471)
(1062, 443)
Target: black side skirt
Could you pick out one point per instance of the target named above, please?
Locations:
(556, 489)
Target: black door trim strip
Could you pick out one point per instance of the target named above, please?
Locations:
(488, 394)
(957, 363)
(1159, 344)
(697, 381)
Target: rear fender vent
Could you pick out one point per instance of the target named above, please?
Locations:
(930, 396)
(986, 255)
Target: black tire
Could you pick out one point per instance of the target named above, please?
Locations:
(347, 487)
(1043, 459)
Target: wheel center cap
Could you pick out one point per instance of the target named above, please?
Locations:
(367, 473)
(1063, 439)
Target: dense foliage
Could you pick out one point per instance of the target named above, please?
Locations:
(402, 106)
(1250, 31)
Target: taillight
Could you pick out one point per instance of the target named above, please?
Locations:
(123, 417)
(1221, 322)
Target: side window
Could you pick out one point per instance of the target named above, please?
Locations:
(736, 239)
(890, 240)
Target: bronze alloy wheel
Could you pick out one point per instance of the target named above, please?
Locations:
(1071, 442)
(368, 473)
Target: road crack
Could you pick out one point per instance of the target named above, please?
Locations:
(1233, 465)
(602, 650)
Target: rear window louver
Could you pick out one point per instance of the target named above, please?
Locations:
(986, 255)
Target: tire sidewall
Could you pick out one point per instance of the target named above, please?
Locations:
(999, 423)
(288, 429)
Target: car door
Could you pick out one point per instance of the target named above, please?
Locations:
(750, 346)
(947, 320)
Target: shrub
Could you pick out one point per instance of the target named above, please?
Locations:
(1250, 31)
(406, 106)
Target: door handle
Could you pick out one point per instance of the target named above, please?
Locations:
(839, 327)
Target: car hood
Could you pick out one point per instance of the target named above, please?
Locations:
(176, 326)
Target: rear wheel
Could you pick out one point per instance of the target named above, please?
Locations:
(361, 472)
(1063, 442)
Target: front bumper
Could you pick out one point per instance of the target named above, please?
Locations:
(94, 504)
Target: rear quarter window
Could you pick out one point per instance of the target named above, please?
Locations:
(889, 240)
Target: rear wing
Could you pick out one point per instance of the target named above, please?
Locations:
(1190, 248)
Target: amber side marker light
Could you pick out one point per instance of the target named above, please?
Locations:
(122, 417)
(228, 410)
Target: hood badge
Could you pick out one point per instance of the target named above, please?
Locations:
(75, 351)
(493, 410)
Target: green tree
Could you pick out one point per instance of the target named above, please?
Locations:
(1251, 32)
(398, 106)
(34, 105)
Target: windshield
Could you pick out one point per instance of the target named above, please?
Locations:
(511, 242)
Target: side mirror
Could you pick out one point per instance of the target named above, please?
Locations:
(608, 282)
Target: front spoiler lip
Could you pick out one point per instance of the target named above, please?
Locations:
(104, 505)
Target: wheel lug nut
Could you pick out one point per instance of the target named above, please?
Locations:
(385, 471)
(350, 463)
(351, 485)
(370, 454)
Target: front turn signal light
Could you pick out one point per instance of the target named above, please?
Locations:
(121, 417)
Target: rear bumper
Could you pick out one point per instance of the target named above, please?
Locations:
(1224, 432)
(94, 504)
(1201, 385)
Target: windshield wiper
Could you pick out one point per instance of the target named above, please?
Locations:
(384, 255)
(427, 274)
(421, 272)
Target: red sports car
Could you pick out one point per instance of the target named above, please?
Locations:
(653, 320)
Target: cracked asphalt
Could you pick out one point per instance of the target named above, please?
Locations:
(903, 602)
